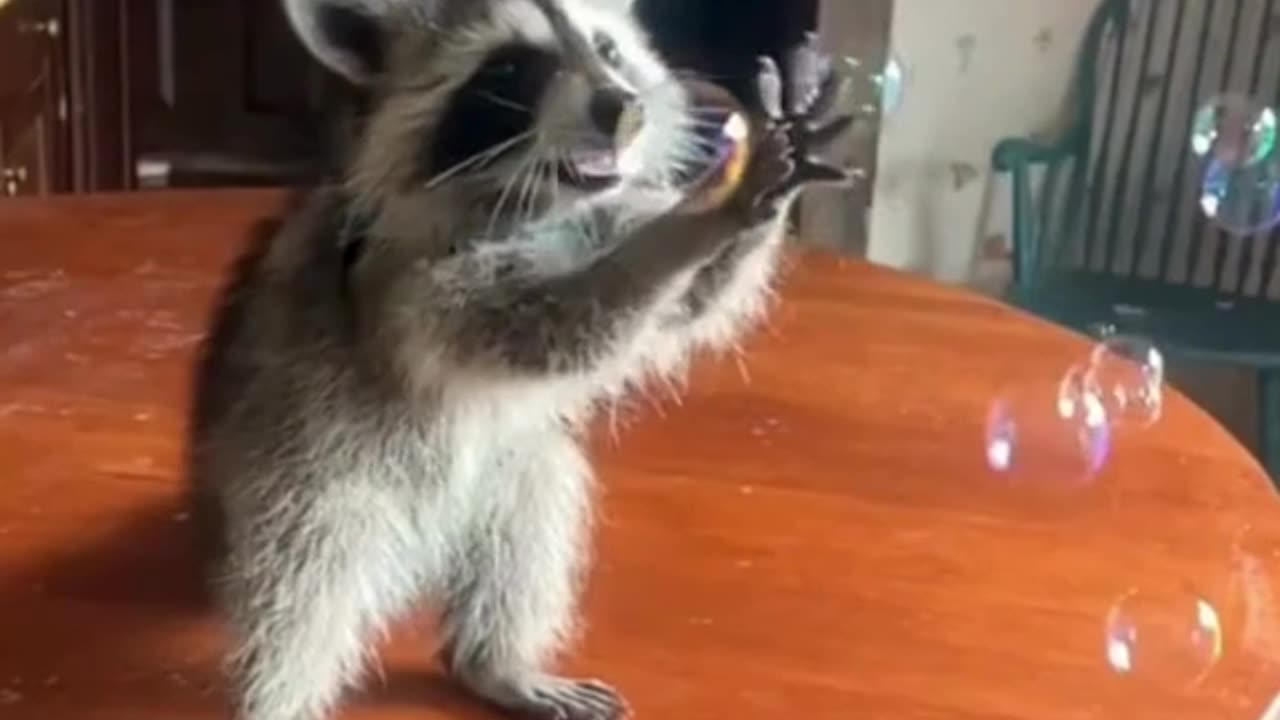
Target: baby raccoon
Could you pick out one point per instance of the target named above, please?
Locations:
(388, 408)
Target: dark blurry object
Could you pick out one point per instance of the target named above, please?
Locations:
(722, 39)
(124, 94)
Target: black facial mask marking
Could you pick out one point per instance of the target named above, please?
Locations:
(498, 103)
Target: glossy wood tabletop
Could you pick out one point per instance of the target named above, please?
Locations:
(813, 532)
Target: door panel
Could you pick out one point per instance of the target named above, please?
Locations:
(28, 167)
(222, 93)
(33, 109)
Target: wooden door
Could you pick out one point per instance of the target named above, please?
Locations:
(222, 93)
(34, 155)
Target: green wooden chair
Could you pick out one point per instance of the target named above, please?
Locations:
(1108, 229)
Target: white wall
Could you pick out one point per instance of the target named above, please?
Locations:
(976, 71)
(979, 71)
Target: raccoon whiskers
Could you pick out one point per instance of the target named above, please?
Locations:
(561, 160)
(479, 158)
(527, 204)
(502, 102)
(507, 189)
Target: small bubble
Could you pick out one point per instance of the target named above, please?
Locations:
(1054, 438)
(10, 697)
(181, 517)
(52, 681)
(1242, 200)
(1127, 373)
(1166, 637)
(888, 82)
(891, 84)
(746, 490)
(1235, 130)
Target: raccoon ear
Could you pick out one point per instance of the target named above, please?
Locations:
(348, 36)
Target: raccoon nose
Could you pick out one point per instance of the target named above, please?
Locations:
(607, 106)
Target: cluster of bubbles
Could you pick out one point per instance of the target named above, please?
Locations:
(1235, 137)
(1057, 437)
(1060, 436)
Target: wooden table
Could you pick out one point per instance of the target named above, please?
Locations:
(822, 541)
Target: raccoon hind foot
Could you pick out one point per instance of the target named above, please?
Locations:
(550, 698)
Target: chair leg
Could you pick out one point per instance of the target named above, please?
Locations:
(1269, 422)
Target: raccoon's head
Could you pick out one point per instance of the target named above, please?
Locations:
(513, 106)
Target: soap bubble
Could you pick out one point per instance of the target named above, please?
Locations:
(1234, 130)
(716, 164)
(1242, 200)
(1127, 373)
(1051, 437)
(888, 83)
(1170, 637)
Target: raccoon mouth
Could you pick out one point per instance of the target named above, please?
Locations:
(590, 170)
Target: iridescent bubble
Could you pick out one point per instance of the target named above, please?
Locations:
(716, 165)
(1052, 437)
(1242, 200)
(888, 84)
(1235, 130)
(1171, 637)
(1127, 373)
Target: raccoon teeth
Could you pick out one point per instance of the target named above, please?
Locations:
(595, 163)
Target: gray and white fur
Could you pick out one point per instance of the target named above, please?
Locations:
(388, 408)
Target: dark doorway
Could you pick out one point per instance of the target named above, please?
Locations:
(722, 39)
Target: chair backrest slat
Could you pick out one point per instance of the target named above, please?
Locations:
(1183, 78)
(1141, 259)
(1104, 160)
(1144, 28)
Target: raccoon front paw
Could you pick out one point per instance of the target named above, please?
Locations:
(801, 124)
(550, 698)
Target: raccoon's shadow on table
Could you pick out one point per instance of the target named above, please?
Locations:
(122, 625)
(120, 619)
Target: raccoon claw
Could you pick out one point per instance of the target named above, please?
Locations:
(771, 175)
(822, 137)
(792, 131)
(796, 100)
(811, 171)
(769, 89)
(551, 698)
(808, 71)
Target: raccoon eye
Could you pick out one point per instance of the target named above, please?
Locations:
(503, 69)
(608, 50)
